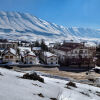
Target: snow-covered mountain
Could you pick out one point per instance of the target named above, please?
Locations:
(24, 26)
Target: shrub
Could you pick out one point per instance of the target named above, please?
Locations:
(41, 95)
(71, 84)
(33, 76)
(92, 80)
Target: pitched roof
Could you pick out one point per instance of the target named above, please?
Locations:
(36, 48)
(11, 50)
(31, 54)
(48, 54)
(27, 54)
(70, 46)
(25, 49)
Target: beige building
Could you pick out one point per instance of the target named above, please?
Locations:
(9, 55)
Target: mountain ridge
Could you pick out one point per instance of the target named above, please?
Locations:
(25, 26)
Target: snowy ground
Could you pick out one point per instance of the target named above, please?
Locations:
(14, 88)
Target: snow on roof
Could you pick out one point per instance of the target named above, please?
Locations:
(11, 50)
(23, 54)
(8, 42)
(25, 49)
(48, 54)
(90, 44)
(36, 48)
(31, 54)
(1, 50)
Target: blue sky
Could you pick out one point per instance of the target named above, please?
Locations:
(70, 13)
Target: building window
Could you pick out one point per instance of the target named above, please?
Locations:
(30, 62)
(71, 52)
(11, 57)
(51, 62)
(31, 58)
(85, 56)
(13, 46)
(73, 57)
(75, 51)
(85, 51)
(6, 57)
(81, 51)
(51, 58)
(0, 53)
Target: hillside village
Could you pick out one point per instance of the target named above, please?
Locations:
(40, 85)
(54, 54)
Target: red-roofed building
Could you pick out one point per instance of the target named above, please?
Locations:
(30, 58)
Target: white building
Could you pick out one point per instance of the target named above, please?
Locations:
(30, 58)
(49, 58)
(27, 56)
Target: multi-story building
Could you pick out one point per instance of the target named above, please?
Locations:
(30, 58)
(75, 54)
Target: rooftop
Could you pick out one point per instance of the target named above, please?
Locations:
(48, 54)
(36, 48)
(11, 50)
